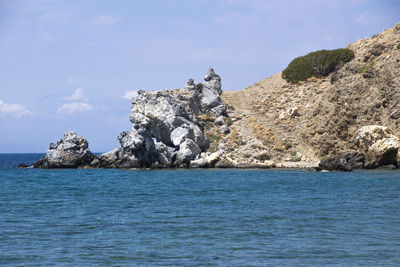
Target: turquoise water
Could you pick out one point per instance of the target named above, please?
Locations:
(197, 217)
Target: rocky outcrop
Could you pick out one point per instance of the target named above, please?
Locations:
(69, 152)
(344, 162)
(166, 131)
(377, 147)
(379, 144)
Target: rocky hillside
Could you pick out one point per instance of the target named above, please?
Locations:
(298, 124)
(349, 119)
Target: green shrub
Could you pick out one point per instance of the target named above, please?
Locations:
(228, 121)
(318, 64)
(295, 159)
(398, 46)
(287, 145)
(366, 66)
(334, 98)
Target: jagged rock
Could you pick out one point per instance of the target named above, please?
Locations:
(211, 90)
(213, 158)
(180, 134)
(379, 144)
(377, 50)
(345, 162)
(188, 150)
(205, 160)
(69, 152)
(383, 152)
(224, 163)
(290, 113)
(198, 163)
(190, 86)
(224, 129)
(219, 110)
(165, 129)
(220, 120)
(269, 163)
(369, 73)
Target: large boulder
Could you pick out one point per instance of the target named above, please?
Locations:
(70, 152)
(379, 145)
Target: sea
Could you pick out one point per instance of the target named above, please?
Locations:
(198, 217)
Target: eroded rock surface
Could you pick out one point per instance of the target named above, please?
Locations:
(344, 162)
(377, 147)
(165, 129)
(69, 152)
(379, 144)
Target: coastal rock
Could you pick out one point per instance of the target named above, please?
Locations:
(211, 90)
(212, 158)
(188, 150)
(383, 152)
(269, 163)
(69, 152)
(198, 163)
(345, 162)
(165, 129)
(379, 144)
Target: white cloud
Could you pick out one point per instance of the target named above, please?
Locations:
(130, 94)
(74, 107)
(77, 103)
(77, 95)
(13, 109)
(105, 19)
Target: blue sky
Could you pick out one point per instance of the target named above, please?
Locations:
(69, 65)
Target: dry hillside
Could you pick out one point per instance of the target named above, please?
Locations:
(298, 124)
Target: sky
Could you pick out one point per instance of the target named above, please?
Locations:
(73, 65)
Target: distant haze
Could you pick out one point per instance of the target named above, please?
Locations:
(73, 65)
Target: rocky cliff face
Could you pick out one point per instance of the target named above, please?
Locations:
(166, 131)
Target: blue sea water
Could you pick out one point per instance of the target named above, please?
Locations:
(197, 217)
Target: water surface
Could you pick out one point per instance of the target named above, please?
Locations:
(197, 217)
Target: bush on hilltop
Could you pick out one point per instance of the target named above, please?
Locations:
(318, 64)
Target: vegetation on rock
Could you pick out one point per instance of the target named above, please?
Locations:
(316, 64)
(367, 66)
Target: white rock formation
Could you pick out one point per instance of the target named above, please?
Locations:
(70, 152)
(379, 144)
(165, 129)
